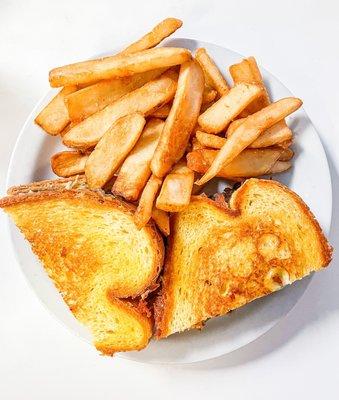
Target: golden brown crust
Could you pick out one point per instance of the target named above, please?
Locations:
(236, 200)
(181, 119)
(137, 310)
(48, 184)
(49, 194)
(27, 196)
(165, 302)
(117, 324)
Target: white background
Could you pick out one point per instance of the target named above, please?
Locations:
(295, 40)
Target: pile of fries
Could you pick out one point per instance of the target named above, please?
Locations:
(147, 122)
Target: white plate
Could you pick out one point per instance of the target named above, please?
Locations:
(309, 178)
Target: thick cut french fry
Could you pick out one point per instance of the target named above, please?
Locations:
(205, 107)
(112, 149)
(247, 71)
(279, 166)
(286, 144)
(249, 131)
(176, 190)
(67, 128)
(135, 170)
(181, 120)
(234, 125)
(163, 111)
(161, 218)
(69, 163)
(196, 145)
(209, 140)
(276, 134)
(94, 98)
(222, 112)
(196, 190)
(216, 142)
(249, 163)
(143, 100)
(208, 96)
(118, 66)
(160, 32)
(54, 117)
(286, 155)
(213, 76)
(143, 212)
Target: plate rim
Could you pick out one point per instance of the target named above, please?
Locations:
(127, 355)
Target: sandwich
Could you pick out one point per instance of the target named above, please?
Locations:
(222, 256)
(100, 262)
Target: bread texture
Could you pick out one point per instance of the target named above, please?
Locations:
(221, 257)
(92, 250)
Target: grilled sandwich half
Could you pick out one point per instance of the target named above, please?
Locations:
(92, 250)
(221, 257)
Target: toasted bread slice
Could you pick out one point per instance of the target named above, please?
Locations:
(221, 257)
(116, 324)
(72, 182)
(84, 240)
